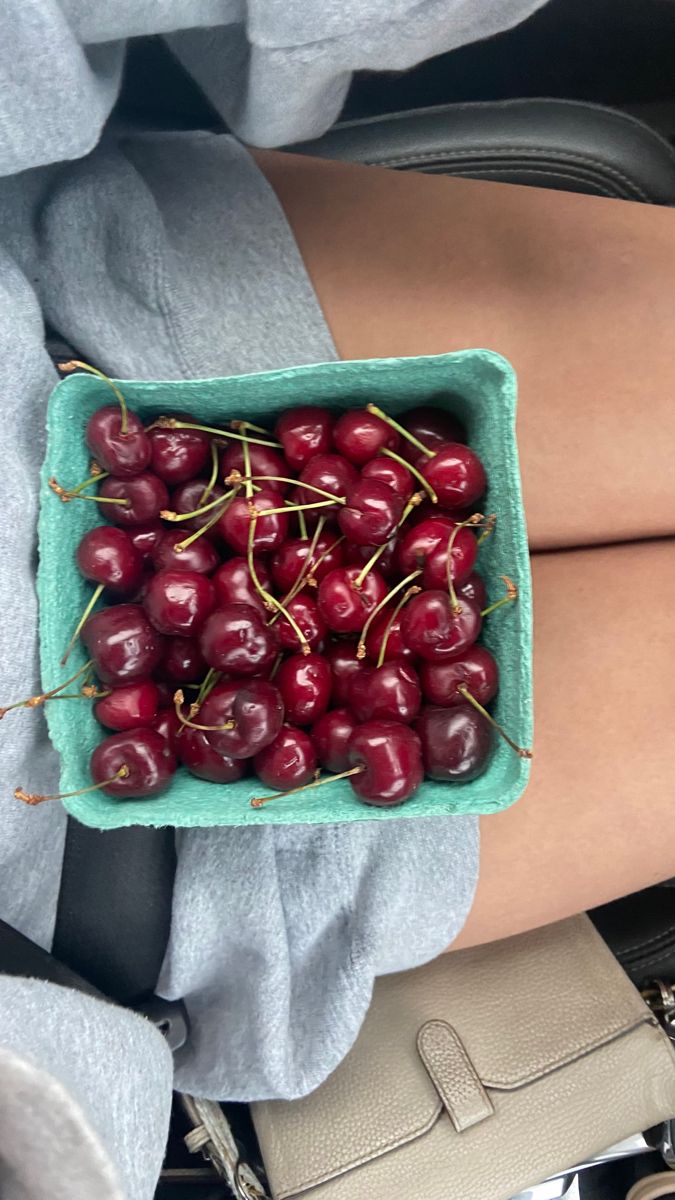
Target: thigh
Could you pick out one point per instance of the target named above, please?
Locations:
(598, 818)
(578, 292)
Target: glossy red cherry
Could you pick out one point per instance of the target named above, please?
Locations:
(234, 585)
(388, 693)
(331, 473)
(146, 756)
(343, 664)
(145, 537)
(304, 432)
(456, 742)
(122, 644)
(123, 454)
(474, 668)
(237, 640)
(394, 474)
(371, 513)
(288, 561)
(183, 661)
(200, 556)
(331, 735)
(359, 435)
(189, 497)
(462, 558)
(146, 494)
(345, 608)
(474, 589)
(203, 761)
(178, 602)
(358, 556)
(305, 683)
(305, 613)
(288, 762)
(178, 454)
(107, 555)
(432, 629)
(269, 532)
(168, 725)
(264, 461)
(421, 540)
(391, 756)
(456, 474)
(255, 707)
(128, 706)
(433, 427)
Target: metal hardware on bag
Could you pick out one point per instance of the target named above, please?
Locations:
(660, 996)
(170, 1017)
(213, 1138)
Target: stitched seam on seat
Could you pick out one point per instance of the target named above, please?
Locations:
(648, 941)
(660, 956)
(477, 172)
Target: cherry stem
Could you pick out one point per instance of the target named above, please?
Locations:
(179, 699)
(377, 412)
(374, 558)
(289, 508)
(311, 578)
(413, 471)
(464, 691)
(76, 365)
(207, 685)
(66, 494)
(237, 425)
(81, 623)
(168, 514)
(361, 647)
(234, 477)
(215, 462)
(258, 801)
(473, 520)
(490, 523)
(267, 598)
(511, 595)
(304, 570)
(34, 798)
(248, 483)
(173, 423)
(412, 591)
(37, 701)
(303, 526)
(179, 547)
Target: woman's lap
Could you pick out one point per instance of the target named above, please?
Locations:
(580, 294)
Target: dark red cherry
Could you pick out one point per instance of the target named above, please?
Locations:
(188, 498)
(147, 496)
(371, 513)
(388, 693)
(145, 754)
(178, 455)
(433, 427)
(432, 629)
(305, 684)
(394, 474)
(288, 561)
(106, 555)
(462, 558)
(305, 613)
(474, 668)
(236, 639)
(202, 760)
(288, 762)
(269, 532)
(474, 589)
(391, 756)
(331, 473)
(345, 608)
(359, 435)
(456, 474)
(179, 601)
(168, 725)
(343, 664)
(183, 661)
(331, 735)
(358, 556)
(122, 644)
(145, 537)
(255, 707)
(396, 647)
(421, 540)
(264, 461)
(304, 432)
(200, 556)
(234, 585)
(456, 742)
(123, 454)
(128, 706)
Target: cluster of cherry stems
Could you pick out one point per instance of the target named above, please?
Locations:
(293, 601)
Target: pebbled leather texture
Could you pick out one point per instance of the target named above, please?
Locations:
(562, 1043)
(453, 1075)
(562, 144)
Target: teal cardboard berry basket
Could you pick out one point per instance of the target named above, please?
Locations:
(480, 388)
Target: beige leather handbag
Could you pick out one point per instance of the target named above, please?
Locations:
(474, 1077)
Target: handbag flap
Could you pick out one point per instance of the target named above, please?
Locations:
(521, 1008)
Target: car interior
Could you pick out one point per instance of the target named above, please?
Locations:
(578, 98)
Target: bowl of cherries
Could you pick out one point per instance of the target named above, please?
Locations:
(297, 596)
